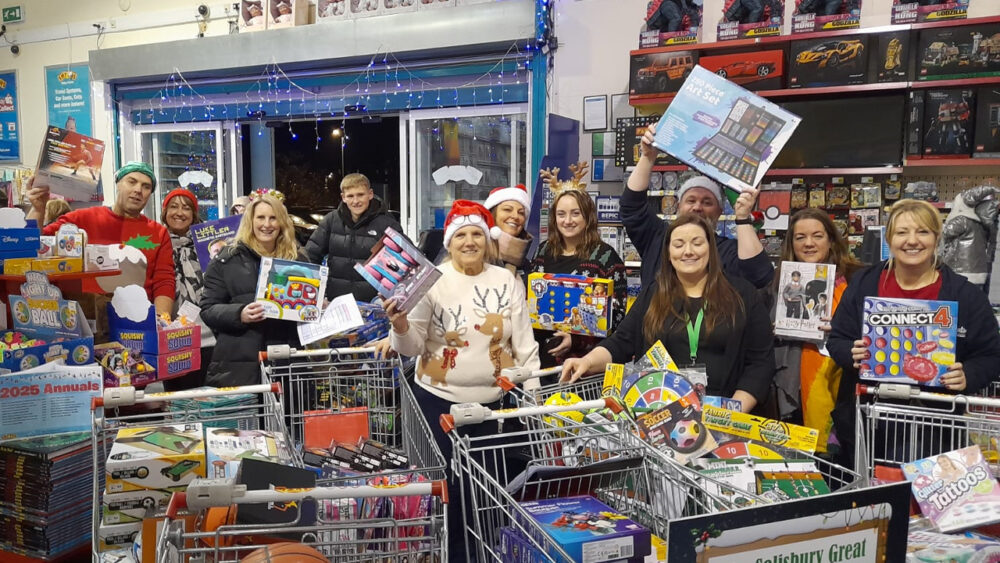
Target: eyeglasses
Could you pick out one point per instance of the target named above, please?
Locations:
(468, 220)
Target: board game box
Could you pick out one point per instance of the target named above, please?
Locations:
(291, 291)
(805, 292)
(955, 490)
(584, 524)
(570, 303)
(909, 340)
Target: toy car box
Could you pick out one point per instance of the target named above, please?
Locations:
(987, 128)
(908, 340)
(743, 18)
(133, 506)
(122, 367)
(757, 70)
(164, 457)
(892, 56)
(951, 53)
(583, 524)
(948, 122)
(825, 15)
(570, 303)
(835, 61)
(41, 313)
(658, 74)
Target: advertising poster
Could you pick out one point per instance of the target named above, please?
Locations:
(49, 399)
(67, 97)
(10, 134)
(862, 526)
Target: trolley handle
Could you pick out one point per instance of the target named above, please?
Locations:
(463, 414)
(285, 352)
(208, 493)
(902, 391)
(177, 504)
(510, 377)
(128, 396)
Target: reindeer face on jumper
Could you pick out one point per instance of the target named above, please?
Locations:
(493, 316)
(454, 337)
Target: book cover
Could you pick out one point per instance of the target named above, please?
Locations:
(584, 524)
(70, 164)
(724, 131)
(909, 340)
(290, 290)
(805, 291)
(955, 490)
(210, 237)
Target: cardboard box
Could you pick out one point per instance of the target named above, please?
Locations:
(914, 124)
(813, 15)
(397, 270)
(291, 290)
(173, 364)
(133, 506)
(165, 457)
(739, 20)
(570, 303)
(987, 128)
(57, 265)
(111, 536)
(287, 13)
(70, 242)
(657, 74)
(892, 53)
(252, 16)
(122, 367)
(948, 122)
(331, 10)
(950, 53)
(227, 447)
(70, 164)
(99, 258)
(132, 321)
(758, 70)
(585, 525)
(17, 254)
(913, 11)
(17, 239)
(828, 62)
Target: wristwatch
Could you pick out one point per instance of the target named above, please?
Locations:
(747, 221)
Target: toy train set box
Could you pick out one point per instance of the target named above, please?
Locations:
(46, 328)
(570, 303)
(909, 340)
(291, 291)
(760, 70)
(397, 270)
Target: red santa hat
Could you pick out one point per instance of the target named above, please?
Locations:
(517, 193)
(464, 213)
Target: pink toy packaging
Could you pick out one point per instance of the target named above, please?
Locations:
(398, 270)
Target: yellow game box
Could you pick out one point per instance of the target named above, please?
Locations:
(570, 303)
(760, 429)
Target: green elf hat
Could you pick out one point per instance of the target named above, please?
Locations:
(135, 166)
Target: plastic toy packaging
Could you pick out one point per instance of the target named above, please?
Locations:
(969, 231)
(751, 18)
(397, 270)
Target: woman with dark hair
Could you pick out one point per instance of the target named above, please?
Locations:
(706, 320)
(574, 247)
(806, 379)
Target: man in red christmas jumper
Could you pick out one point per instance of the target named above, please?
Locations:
(123, 224)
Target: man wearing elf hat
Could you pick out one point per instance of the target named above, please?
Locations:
(123, 224)
(511, 208)
(743, 257)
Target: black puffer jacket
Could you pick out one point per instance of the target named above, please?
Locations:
(345, 243)
(230, 284)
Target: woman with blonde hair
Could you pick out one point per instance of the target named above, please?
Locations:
(913, 271)
(227, 304)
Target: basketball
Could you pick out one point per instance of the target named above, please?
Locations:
(285, 552)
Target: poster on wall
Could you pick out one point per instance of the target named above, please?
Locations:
(67, 97)
(10, 134)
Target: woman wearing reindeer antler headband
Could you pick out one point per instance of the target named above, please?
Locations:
(574, 247)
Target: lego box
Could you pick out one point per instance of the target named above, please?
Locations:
(758, 70)
(828, 62)
(589, 530)
(987, 143)
(951, 53)
(948, 122)
(164, 457)
(657, 74)
(909, 340)
(570, 303)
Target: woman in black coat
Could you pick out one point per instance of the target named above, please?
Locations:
(227, 304)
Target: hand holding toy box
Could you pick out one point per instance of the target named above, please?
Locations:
(70, 165)
(291, 291)
(397, 270)
(570, 303)
(909, 340)
(209, 238)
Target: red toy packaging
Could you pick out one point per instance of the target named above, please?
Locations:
(907, 11)
(751, 18)
(760, 70)
(825, 15)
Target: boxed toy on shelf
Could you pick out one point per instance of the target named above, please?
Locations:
(70, 164)
(608, 208)
(835, 61)
(948, 122)
(397, 270)
(748, 18)
(660, 73)
(570, 303)
(892, 56)
(825, 15)
(987, 123)
(759, 70)
(671, 23)
(21, 238)
(968, 51)
(909, 340)
(913, 11)
(173, 348)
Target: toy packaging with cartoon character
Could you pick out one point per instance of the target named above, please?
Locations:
(397, 270)
(948, 122)
(70, 164)
(825, 15)
(955, 490)
(909, 340)
(671, 22)
(834, 61)
(570, 303)
(910, 11)
(290, 290)
(583, 524)
(750, 18)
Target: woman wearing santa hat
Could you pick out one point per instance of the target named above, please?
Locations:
(510, 208)
(471, 324)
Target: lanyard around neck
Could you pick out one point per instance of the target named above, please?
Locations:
(694, 333)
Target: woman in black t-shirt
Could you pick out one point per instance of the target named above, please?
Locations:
(703, 318)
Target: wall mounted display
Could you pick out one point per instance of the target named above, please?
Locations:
(67, 96)
(10, 130)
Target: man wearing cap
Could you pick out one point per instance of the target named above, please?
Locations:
(743, 257)
(346, 236)
(123, 223)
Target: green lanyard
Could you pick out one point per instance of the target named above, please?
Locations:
(694, 334)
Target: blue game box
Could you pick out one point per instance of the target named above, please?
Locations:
(909, 340)
(589, 530)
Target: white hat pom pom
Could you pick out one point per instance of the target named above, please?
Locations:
(496, 232)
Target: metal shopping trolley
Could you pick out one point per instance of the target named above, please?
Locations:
(324, 518)
(130, 408)
(919, 424)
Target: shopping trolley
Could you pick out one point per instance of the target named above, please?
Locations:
(894, 433)
(127, 407)
(331, 529)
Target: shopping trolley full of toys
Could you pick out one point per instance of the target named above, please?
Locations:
(169, 427)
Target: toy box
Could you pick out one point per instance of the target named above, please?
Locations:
(608, 208)
(914, 124)
(570, 303)
(41, 313)
(331, 10)
(948, 122)
(132, 321)
(759, 429)
(17, 233)
(950, 53)
(226, 447)
(70, 164)
(50, 266)
(70, 242)
(291, 291)
(287, 13)
(657, 74)
(747, 18)
(99, 258)
(173, 364)
(987, 128)
(111, 536)
(13, 255)
(805, 296)
(397, 270)
(757, 70)
(828, 62)
(122, 367)
(164, 457)
(892, 56)
(628, 140)
(825, 15)
(909, 11)
(133, 506)
(955, 490)
(909, 340)
(671, 23)
(252, 16)
(583, 524)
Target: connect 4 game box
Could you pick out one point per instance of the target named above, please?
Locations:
(909, 340)
(570, 303)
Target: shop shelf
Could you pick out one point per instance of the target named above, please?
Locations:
(63, 277)
(834, 171)
(788, 92)
(958, 82)
(974, 162)
(955, 23)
